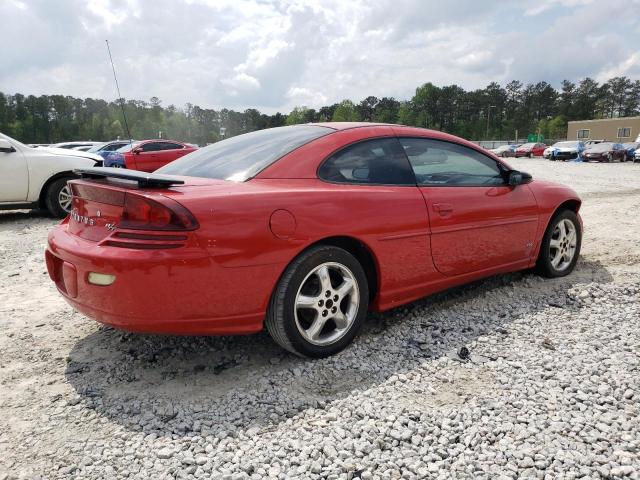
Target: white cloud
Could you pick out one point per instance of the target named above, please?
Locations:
(278, 54)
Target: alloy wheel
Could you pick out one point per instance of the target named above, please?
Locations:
(562, 247)
(326, 304)
(64, 198)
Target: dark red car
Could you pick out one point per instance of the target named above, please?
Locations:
(530, 150)
(605, 152)
(147, 155)
(302, 229)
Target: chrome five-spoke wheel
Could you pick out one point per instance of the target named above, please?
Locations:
(327, 303)
(562, 246)
(320, 302)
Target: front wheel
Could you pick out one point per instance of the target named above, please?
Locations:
(560, 246)
(58, 197)
(319, 303)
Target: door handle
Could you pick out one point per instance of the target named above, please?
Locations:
(443, 208)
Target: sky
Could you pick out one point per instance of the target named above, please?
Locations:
(274, 55)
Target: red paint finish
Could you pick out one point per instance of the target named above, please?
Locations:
(218, 278)
(153, 154)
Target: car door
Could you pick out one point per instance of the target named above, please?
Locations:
(478, 222)
(14, 173)
(375, 181)
(169, 151)
(148, 157)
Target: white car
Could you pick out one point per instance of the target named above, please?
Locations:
(37, 177)
(75, 145)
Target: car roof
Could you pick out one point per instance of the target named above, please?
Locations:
(347, 125)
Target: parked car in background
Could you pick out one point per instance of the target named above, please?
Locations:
(605, 152)
(568, 150)
(630, 150)
(591, 143)
(504, 151)
(109, 146)
(74, 145)
(37, 177)
(147, 155)
(636, 156)
(530, 150)
(303, 229)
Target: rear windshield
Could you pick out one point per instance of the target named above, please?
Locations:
(242, 157)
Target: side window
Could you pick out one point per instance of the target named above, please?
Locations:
(440, 163)
(169, 146)
(380, 161)
(151, 147)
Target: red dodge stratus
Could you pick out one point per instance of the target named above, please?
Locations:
(302, 229)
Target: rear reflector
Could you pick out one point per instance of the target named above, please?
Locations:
(101, 279)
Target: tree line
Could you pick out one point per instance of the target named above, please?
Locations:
(494, 112)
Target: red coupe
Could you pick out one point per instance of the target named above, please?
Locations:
(530, 150)
(302, 229)
(147, 155)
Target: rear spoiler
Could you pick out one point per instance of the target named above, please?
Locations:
(143, 179)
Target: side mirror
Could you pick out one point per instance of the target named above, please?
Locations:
(5, 146)
(514, 178)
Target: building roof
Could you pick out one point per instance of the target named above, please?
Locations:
(605, 119)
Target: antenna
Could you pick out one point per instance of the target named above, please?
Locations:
(119, 95)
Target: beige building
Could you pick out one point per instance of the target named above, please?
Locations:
(624, 129)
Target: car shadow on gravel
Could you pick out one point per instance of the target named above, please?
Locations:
(8, 217)
(206, 385)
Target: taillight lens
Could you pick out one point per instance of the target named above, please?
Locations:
(143, 213)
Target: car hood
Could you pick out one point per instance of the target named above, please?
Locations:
(63, 152)
(563, 149)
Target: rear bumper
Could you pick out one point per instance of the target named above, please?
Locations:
(178, 291)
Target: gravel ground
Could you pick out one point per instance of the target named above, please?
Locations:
(550, 389)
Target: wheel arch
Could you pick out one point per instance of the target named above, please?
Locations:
(50, 180)
(363, 253)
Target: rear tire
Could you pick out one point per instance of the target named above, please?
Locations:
(58, 197)
(319, 304)
(560, 246)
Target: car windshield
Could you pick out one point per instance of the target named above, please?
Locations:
(96, 148)
(631, 145)
(566, 144)
(602, 147)
(128, 147)
(242, 157)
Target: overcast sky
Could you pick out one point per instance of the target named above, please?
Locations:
(273, 55)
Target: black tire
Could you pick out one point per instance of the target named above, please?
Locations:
(543, 265)
(281, 315)
(52, 197)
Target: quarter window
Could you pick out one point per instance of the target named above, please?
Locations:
(170, 146)
(624, 132)
(380, 162)
(439, 163)
(584, 133)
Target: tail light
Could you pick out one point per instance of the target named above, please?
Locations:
(162, 213)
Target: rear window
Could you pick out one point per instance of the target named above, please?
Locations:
(242, 157)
